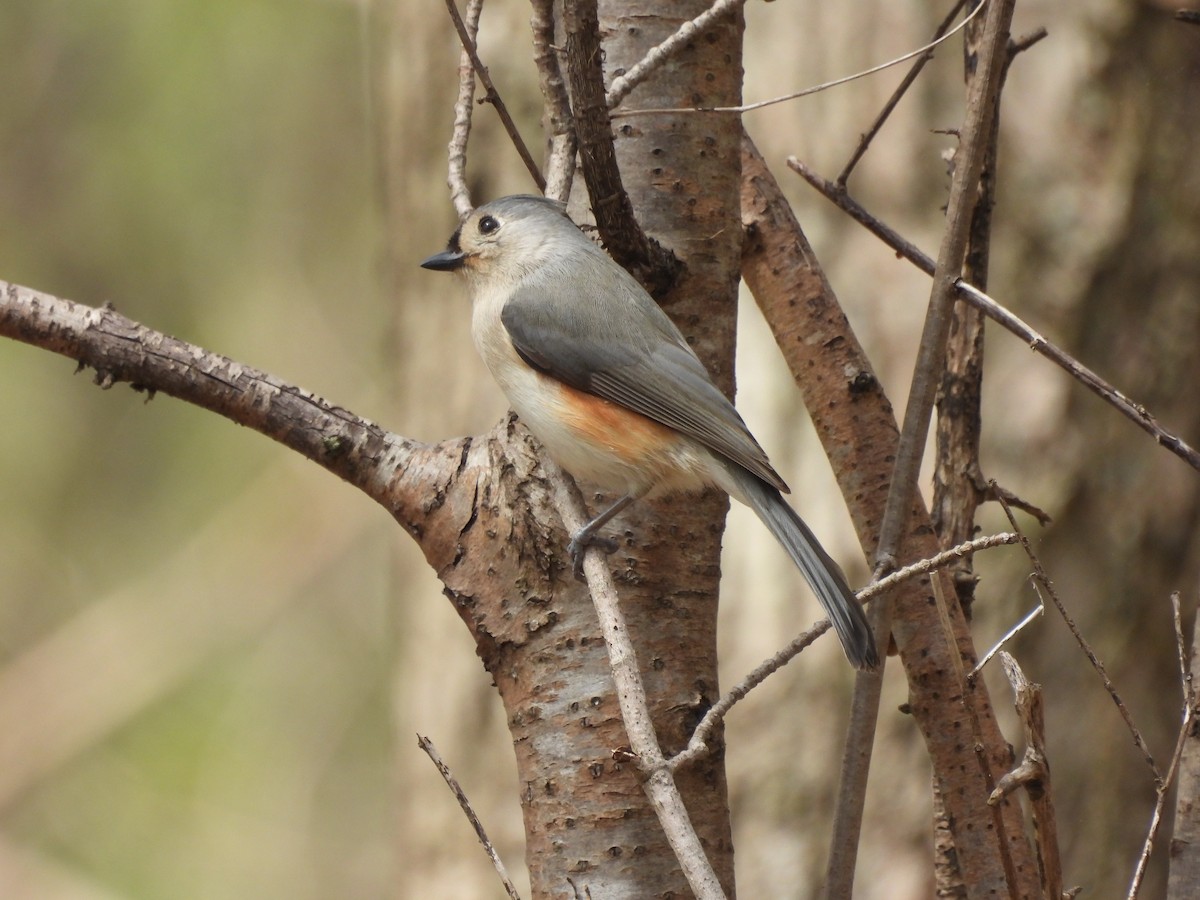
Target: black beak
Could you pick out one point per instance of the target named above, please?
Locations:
(446, 261)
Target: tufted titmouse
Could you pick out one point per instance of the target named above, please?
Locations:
(610, 387)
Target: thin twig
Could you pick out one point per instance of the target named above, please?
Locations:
(1184, 839)
(464, 106)
(698, 744)
(659, 782)
(1135, 412)
(931, 353)
(901, 89)
(924, 566)
(1164, 787)
(560, 160)
(796, 95)
(1008, 636)
(656, 56)
(1042, 583)
(1023, 43)
(459, 794)
(492, 96)
(1185, 670)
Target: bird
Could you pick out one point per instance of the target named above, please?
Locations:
(609, 386)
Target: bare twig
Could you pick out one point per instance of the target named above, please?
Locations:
(467, 38)
(924, 566)
(1185, 729)
(847, 204)
(1008, 636)
(1133, 411)
(659, 783)
(992, 490)
(464, 106)
(1033, 774)
(815, 89)
(828, 363)
(451, 782)
(931, 352)
(656, 56)
(1185, 843)
(1025, 41)
(698, 745)
(973, 144)
(1181, 648)
(901, 89)
(560, 160)
(1042, 583)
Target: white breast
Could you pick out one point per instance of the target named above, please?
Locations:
(537, 399)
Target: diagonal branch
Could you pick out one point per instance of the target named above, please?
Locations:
(717, 712)
(932, 350)
(657, 56)
(465, 804)
(901, 89)
(1135, 412)
(931, 355)
(467, 38)
(654, 266)
(857, 428)
(1045, 588)
(121, 350)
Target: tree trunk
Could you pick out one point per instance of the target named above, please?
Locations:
(496, 542)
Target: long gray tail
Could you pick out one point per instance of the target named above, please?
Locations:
(819, 570)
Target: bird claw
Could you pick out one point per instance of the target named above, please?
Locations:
(578, 545)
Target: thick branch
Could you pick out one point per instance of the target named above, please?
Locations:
(480, 510)
(623, 237)
(855, 423)
(386, 467)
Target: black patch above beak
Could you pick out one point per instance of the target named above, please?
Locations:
(446, 261)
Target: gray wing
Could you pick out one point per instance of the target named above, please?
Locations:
(621, 347)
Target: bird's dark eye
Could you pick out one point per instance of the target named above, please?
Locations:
(487, 225)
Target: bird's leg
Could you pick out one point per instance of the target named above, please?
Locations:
(586, 536)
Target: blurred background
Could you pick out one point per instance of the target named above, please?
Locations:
(214, 657)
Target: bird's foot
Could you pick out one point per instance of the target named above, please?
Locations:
(579, 543)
